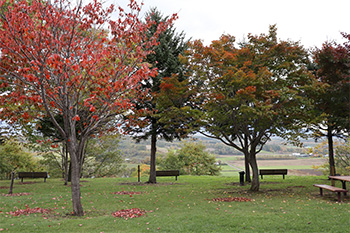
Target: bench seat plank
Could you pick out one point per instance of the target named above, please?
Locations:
(175, 173)
(263, 172)
(332, 189)
(32, 175)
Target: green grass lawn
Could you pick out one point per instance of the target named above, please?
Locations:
(187, 205)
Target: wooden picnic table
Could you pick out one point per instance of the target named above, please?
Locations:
(343, 179)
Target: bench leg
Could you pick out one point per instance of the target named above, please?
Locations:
(339, 196)
(22, 179)
(321, 191)
(283, 176)
(175, 177)
(344, 186)
(261, 176)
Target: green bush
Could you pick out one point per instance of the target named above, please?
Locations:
(190, 159)
(103, 157)
(342, 158)
(14, 157)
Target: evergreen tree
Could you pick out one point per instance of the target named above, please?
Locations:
(166, 59)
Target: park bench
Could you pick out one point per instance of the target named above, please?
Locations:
(263, 172)
(22, 175)
(332, 189)
(175, 173)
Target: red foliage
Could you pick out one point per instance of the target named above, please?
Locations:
(129, 213)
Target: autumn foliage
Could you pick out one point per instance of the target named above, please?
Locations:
(250, 91)
(73, 60)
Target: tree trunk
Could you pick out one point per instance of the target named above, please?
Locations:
(152, 174)
(12, 179)
(255, 182)
(331, 153)
(65, 163)
(75, 152)
(77, 206)
(69, 174)
(247, 170)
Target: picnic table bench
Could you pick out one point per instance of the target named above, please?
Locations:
(332, 189)
(263, 172)
(175, 173)
(343, 180)
(32, 175)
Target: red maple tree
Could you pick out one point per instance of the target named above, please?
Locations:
(60, 59)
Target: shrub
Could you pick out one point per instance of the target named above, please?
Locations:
(190, 159)
(13, 156)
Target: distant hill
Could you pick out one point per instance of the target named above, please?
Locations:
(138, 152)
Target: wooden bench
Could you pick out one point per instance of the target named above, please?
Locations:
(263, 172)
(332, 189)
(175, 173)
(32, 175)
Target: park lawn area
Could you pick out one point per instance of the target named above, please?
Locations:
(186, 205)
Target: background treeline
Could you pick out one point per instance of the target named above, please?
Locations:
(139, 152)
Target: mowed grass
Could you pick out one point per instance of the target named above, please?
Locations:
(186, 205)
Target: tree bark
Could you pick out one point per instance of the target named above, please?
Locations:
(331, 153)
(65, 162)
(75, 152)
(12, 179)
(75, 187)
(247, 170)
(255, 182)
(152, 174)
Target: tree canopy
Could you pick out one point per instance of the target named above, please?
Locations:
(58, 59)
(332, 103)
(249, 93)
(165, 58)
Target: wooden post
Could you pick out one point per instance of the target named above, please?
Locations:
(138, 173)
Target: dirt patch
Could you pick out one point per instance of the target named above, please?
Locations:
(231, 199)
(304, 172)
(289, 162)
(16, 194)
(29, 182)
(286, 162)
(146, 183)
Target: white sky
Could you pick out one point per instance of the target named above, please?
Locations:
(311, 22)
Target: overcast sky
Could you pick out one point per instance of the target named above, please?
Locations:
(311, 22)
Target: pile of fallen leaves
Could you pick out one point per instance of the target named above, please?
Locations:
(129, 213)
(231, 199)
(28, 211)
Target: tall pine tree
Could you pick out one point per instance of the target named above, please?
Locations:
(166, 59)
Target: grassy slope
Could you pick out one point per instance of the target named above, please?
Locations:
(290, 205)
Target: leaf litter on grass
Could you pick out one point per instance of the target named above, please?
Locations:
(232, 199)
(129, 213)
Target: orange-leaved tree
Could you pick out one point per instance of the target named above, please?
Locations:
(251, 92)
(59, 58)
